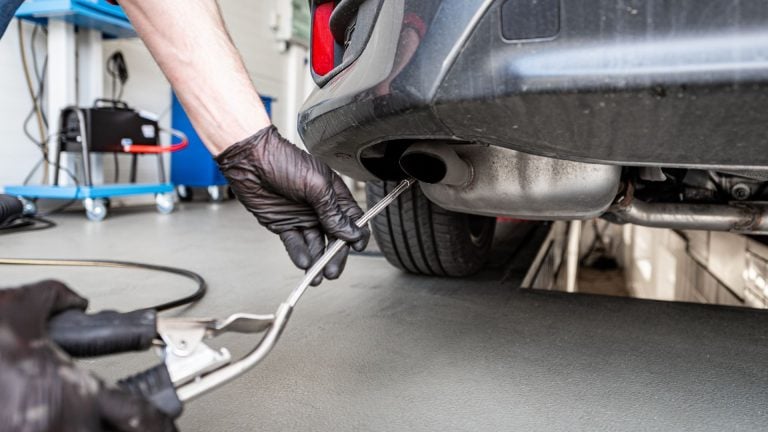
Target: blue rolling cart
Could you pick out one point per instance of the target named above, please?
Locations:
(95, 197)
(112, 23)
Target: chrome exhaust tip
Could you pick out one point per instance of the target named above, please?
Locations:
(435, 163)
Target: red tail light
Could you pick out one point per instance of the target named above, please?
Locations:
(323, 45)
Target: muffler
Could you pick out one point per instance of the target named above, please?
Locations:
(497, 181)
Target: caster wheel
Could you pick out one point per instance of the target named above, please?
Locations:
(165, 203)
(185, 193)
(215, 193)
(95, 209)
(30, 208)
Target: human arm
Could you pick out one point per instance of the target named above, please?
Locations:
(289, 191)
(190, 43)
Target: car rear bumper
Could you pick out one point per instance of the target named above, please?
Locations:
(626, 83)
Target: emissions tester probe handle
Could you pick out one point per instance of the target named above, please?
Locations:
(109, 332)
(155, 385)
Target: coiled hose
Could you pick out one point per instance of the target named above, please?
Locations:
(198, 294)
(11, 208)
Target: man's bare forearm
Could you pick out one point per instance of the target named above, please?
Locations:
(189, 41)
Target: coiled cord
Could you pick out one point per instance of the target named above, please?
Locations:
(202, 286)
(12, 219)
(11, 208)
(26, 224)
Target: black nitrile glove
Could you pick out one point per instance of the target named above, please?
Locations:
(41, 390)
(296, 196)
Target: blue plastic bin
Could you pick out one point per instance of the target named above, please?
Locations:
(194, 166)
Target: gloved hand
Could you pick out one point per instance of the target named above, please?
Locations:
(40, 387)
(296, 196)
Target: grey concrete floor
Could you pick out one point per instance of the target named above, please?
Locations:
(381, 350)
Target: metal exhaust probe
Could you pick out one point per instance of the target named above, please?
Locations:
(211, 380)
(190, 368)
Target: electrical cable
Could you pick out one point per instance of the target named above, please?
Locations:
(42, 159)
(25, 127)
(35, 101)
(28, 80)
(117, 168)
(39, 144)
(32, 172)
(14, 217)
(74, 199)
(199, 293)
(26, 224)
(118, 70)
(39, 74)
(69, 174)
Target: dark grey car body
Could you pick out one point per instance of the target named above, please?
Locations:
(673, 83)
(667, 84)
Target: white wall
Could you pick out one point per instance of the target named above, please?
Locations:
(249, 23)
(266, 60)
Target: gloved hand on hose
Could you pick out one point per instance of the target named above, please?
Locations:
(294, 195)
(41, 389)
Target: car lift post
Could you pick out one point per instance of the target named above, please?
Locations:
(572, 256)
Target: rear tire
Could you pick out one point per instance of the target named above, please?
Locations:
(417, 236)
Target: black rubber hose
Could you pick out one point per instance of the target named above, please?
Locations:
(11, 208)
(26, 224)
(199, 293)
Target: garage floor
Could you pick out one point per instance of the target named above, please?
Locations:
(380, 350)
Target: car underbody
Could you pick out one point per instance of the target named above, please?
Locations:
(645, 112)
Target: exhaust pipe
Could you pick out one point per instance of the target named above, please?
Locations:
(740, 218)
(435, 163)
(504, 182)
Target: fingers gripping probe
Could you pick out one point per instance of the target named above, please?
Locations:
(336, 246)
(221, 376)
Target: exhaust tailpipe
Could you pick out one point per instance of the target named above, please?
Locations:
(435, 163)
